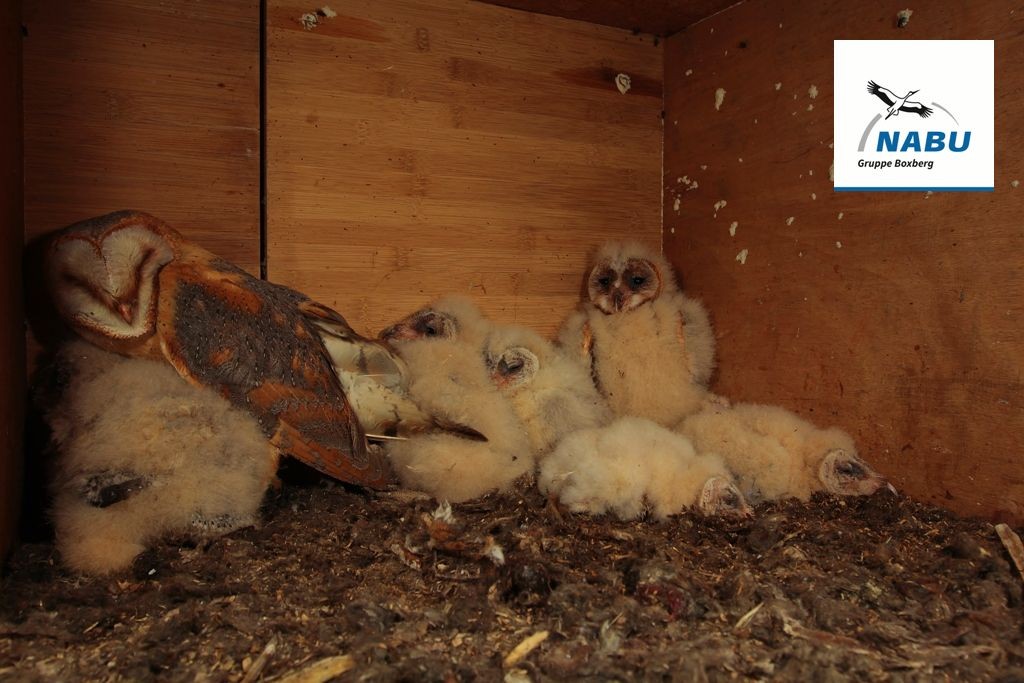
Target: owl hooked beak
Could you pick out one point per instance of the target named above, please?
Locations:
(127, 311)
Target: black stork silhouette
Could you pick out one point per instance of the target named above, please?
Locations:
(896, 103)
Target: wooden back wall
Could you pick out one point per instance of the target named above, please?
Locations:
(897, 316)
(419, 148)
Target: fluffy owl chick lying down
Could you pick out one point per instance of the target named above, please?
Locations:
(633, 465)
(451, 317)
(551, 392)
(776, 454)
(448, 380)
(142, 454)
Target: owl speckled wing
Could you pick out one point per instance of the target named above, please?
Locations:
(129, 283)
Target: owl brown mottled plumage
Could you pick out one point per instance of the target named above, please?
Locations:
(129, 283)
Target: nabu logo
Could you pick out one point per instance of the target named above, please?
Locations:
(910, 141)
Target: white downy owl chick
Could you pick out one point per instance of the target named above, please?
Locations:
(551, 392)
(448, 379)
(143, 454)
(635, 465)
(776, 454)
(650, 348)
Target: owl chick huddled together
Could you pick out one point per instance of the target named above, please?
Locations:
(442, 345)
(145, 455)
(635, 466)
(651, 353)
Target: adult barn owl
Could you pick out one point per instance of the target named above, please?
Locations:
(129, 283)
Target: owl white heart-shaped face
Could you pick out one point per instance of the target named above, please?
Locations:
(107, 285)
(719, 496)
(514, 368)
(845, 474)
(620, 286)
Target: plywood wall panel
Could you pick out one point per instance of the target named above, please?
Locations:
(897, 316)
(422, 148)
(12, 338)
(153, 106)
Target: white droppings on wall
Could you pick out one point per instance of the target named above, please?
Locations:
(812, 91)
(742, 257)
(810, 171)
(789, 221)
(719, 205)
(1014, 183)
(839, 245)
(831, 171)
(675, 205)
(903, 17)
(814, 196)
(778, 86)
(719, 98)
(732, 228)
(703, 167)
(623, 82)
(840, 216)
(328, 12)
(741, 160)
(810, 107)
(688, 72)
(928, 194)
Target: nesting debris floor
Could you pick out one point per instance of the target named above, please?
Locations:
(836, 589)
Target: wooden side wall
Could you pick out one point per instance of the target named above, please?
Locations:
(12, 338)
(896, 316)
(145, 105)
(419, 148)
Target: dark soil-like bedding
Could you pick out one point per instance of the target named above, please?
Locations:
(836, 589)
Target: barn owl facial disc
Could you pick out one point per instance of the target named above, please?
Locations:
(845, 474)
(514, 368)
(426, 324)
(616, 286)
(721, 497)
(105, 283)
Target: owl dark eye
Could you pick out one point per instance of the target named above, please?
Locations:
(849, 469)
(604, 281)
(637, 281)
(510, 367)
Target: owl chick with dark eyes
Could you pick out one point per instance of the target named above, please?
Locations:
(452, 317)
(551, 392)
(650, 348)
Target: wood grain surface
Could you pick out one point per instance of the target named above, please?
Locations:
(145, 105)
(897, 316)
(422, 148)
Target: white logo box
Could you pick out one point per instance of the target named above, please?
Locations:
(954, 83)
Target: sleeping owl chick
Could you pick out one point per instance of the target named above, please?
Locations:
(650, 348)
(776, 454)
(142, 454)
(633, 465)
(448, 380)
(551, 392)
(450, 317)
